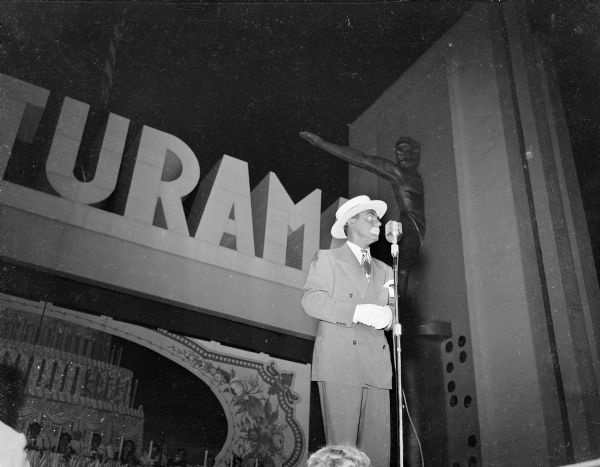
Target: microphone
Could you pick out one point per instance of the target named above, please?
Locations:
(393, 231)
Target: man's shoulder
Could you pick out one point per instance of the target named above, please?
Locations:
(333, 252)
(328, 256)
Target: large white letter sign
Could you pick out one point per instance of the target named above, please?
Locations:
(14, 97)
(327, 220)
(63, 155)
(222, 208)
(148, 184)
(277, 224)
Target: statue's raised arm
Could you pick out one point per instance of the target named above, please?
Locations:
(402, 175)
(378, 165)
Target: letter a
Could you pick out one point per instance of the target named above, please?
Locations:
(222, 208)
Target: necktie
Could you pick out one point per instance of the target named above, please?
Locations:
(365, 263)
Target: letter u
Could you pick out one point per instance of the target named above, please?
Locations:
(64, 149)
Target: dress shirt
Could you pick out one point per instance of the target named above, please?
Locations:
(358, 251)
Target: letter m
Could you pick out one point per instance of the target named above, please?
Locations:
(284, 232)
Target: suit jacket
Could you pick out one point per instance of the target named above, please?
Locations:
(346, 352)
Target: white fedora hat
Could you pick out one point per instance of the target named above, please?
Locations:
(351, 208)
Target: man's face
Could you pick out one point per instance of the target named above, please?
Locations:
(365, 227)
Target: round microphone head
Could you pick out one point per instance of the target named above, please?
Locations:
(391, 231)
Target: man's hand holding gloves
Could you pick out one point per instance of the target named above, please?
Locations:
(376, 316)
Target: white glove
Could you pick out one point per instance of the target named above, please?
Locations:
(379, 317)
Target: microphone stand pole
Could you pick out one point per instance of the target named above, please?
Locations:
(397, 333)
(162, 450)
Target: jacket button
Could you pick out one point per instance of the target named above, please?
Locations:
(351, 295)
(383, 346)
(353, 342)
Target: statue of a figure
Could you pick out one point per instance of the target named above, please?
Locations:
(407, 186)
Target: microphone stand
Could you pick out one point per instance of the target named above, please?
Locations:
(162, 450)
(397, 333)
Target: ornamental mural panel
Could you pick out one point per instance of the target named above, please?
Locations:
(75, 383)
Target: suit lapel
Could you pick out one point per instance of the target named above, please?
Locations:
(352, 268)
(377, 277)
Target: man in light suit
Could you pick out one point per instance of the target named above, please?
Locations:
(351, 358)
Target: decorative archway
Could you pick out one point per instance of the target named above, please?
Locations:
(265, 400)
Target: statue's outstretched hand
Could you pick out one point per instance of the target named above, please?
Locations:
(310, 137)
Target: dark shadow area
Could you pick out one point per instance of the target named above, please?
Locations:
(180, 410)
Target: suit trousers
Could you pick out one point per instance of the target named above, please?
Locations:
(359, 416)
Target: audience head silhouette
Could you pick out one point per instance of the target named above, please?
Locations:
(339, 456)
